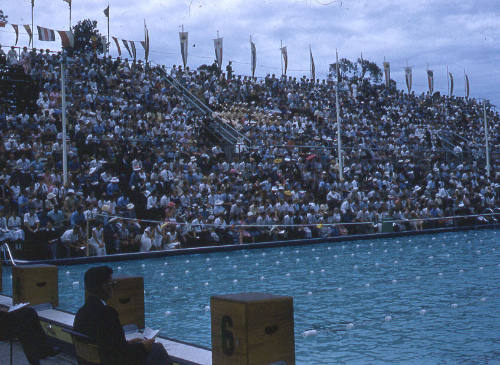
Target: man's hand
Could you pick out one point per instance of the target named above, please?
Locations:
(148, 344)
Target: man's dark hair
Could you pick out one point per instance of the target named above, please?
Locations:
(96, 276)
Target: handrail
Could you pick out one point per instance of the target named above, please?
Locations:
(6, 247)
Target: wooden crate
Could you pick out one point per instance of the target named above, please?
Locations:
(128, 300)
(35, 284)
(252, 328)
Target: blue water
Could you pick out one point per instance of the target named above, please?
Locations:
(421, 299)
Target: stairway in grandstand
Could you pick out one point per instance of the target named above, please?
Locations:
(222, 131)
(450, 139)
(18, 91)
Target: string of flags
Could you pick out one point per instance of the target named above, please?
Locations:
(67, 41)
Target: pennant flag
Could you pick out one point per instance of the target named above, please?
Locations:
(430, 79)
(183, 37)
(16, 29)
(313, 69)
(68, 1)
(387, 71)
(45, 34)
(106, 12)
(117, 46)
(408, 76)
(253, 57)
(2, 24)
(467, 88)
(145, 43)
(132, 47)
(218, 51)
(28, 30)
(451, 84)
(285, 58)
(125, 43)
(67, 38)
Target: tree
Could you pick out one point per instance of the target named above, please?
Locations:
(3, 17)
(370, 67)
(87, 37)
(347, 69)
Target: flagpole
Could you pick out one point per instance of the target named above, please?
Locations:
(448, 80)
(64, 152)
(487, 141)
(32, 28)
(339, 142)
(106, 51)
(70, 15)
(281, 56)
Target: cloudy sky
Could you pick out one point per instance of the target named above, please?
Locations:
(458, 34)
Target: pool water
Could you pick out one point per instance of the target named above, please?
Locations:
(417, 299)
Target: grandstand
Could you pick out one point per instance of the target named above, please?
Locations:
(172, 158)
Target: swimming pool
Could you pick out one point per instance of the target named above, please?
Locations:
(416, 299)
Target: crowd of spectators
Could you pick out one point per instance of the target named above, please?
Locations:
(143, 174)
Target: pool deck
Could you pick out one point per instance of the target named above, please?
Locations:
(53, 321)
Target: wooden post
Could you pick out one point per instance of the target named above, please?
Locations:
(35, 284)
(252, 328)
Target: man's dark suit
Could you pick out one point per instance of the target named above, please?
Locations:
(24, 324)
(101, 322)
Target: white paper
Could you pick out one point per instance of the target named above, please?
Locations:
(150, 333)
(18, 306)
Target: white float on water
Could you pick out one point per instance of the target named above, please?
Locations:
(309, 333)
(227, 257)
(417, 277)
(166, 263)
(235, 266)
(422, 311)
(206, 283)
(461, 270)
(161, 274)
(287, 274)
(277, 262)
(256, 264)
(208, 259)
(481, 268)
(76, 283)
(209, 269)
(335, 256)
(454, 305)
(263, 254)
(235, 281)
(309, 293)
(483, 299)
(377, 264)
(187, 261)
(297, 260)
(388, 318)
(367, 285)
(395, 261)
(262, 278)
(322, 270)
(313, 250)
(143, 266)
(207, 308)
(355, 267)
(176, 287)
(339, 288)
(394, 281)
(311, 272)
(317, 258)
(167, 313)
(186, 272)
(119, 267)
(349, 326)
(440, 274)
(67, 272)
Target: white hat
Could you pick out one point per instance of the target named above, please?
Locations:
(115, 180)
(130, 206)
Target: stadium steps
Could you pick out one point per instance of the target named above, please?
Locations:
(221, 131)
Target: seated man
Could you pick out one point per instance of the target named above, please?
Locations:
(24, 325)
(100, 322)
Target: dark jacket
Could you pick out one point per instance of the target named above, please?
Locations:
(101, 322)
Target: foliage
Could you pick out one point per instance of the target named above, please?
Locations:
(3, 17)
(87, 37)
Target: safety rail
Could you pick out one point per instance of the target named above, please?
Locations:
(8, 254)
(221, 130)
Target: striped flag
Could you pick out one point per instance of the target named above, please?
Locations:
(67, 38)
(117, 46)
(284, 53)
(30, 33)
(132, 47)
(451, 84)
(45, 34)
(253, 57)
(106, 12)
(408, 77)
(218, 51)
(16, 29)
(467, 86)
(387, 72)
(313, 68)
(145, 42)
(430, 80)
(125, 43)
(183, 37)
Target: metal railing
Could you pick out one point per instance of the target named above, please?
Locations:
(8, 254)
